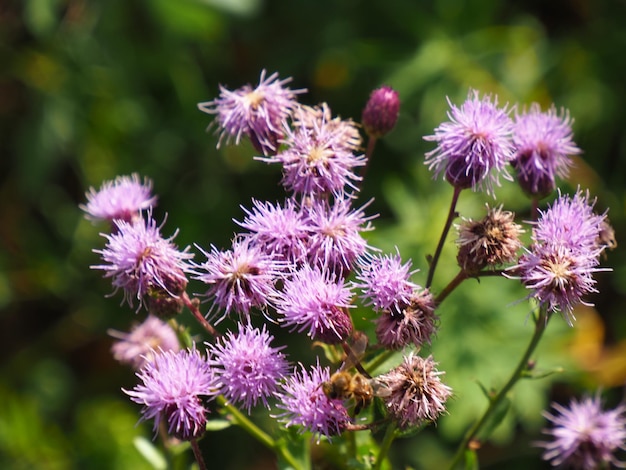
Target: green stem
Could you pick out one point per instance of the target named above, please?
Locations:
(371, 366)
(446, 228)
(540, 326)
(390, 435)
(241, 420)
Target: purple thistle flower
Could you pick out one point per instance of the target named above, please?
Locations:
(241, 278)
(475, 145)
(559, 266)
(416, 393)
(171, 390)
(123, 198)
(319, 158)
(335, 239)
(257, 112)
(247, 367)
(385, 281)
(316, 300)
(412, 323)
(139, 346)
(544, 144)
(585, 437)
(381, 112)
(143, 263)
(306, 405)
(279, 230)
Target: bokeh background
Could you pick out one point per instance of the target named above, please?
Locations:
(90, 90)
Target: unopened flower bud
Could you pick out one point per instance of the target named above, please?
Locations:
(381, 111)
(166, 303)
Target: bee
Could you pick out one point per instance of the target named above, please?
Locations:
(358, 386)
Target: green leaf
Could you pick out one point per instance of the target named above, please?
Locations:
(218, 424)
(149, 451)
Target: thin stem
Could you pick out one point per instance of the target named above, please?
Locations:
(390, 435)
(197, 454)
(193, 308)
(446, 228)
(369, 151)
(454, 283)
(534, 209)
(540, 326)
(241, 420)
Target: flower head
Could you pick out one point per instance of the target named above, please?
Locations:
(247, 368)
(306, 405)
(257, 112)
(140, 345)
(491, 241)
(280, 230)
(241, 278)
(123, 198)
(385, 281)
(316, 300)
(381, 111)
(543, 149)
(412, 323)
(335, 238)
(319, 157)
(171, 390)
(475, 145)
(584, 436)
(416, 393)
(143, 263)
(559, 267)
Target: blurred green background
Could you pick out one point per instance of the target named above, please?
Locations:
(90, 90)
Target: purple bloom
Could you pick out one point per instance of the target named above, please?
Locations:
(139, 346)
(143, 263)
(279, 230)
(319, 158)
(416, 393)
(316, 301)
(585, 437)
(306, 405)
(385, 281)
(257, 112)
(544, 144)
(171, 390)
(474, 145)
(336, 240)
(247, 367)
(123, 198)
(241, 278)
(412, 323)
(565, 252)
(381, 112)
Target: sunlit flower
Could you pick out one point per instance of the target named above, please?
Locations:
(475, 145)
(584, 436)
(123, 198)
(173, 388)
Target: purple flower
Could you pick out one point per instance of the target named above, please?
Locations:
(143, 263)
(257, 112)
(381, 112)
(475, 145)
(139, 346)
(241, 278)
(123, 198)
(412, 323)
(543, 146)
(247, 367)
(172, 389)
(416, 393)
(385, 281)
(585, 437)
(319, 158)
(316, 300)
(279, 230)
(306, 405)
(559, 266)
(336, 239)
